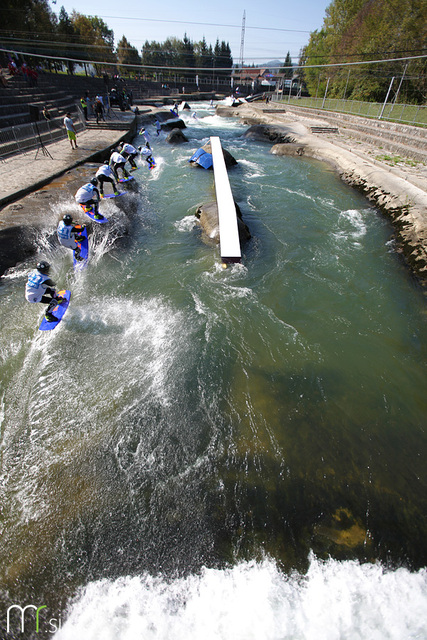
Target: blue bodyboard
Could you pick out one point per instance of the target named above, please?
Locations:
(114, 195)
(91, 213)
(128, 179)
(84, 252)
(58, 311)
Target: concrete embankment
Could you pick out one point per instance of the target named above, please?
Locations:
(399, 192)
(27, 185)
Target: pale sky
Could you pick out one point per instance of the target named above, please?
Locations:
(273, 27)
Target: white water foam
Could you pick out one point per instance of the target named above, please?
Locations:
(188, 223)
(352, 224)
(333, 601)
(155, 173)
(252, 169)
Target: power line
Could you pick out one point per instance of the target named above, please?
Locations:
(61, 43)
(173, 68)
(201, 24)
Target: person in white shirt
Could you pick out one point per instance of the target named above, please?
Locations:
(88, 195)
(106, 174)
(129, 152)
(117, 161)
(71, 132)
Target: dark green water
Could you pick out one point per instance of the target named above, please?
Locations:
(185, 416)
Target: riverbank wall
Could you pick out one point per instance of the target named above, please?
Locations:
(397, 191)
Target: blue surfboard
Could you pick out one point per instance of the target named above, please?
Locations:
(81, 262)
(89, 211)
(128, 179)
(114, 195)
(58, 312)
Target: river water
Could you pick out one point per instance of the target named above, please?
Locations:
(199, 452)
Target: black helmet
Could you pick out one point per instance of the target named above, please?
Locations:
(67, 219)
(43, 267)
(94, 181)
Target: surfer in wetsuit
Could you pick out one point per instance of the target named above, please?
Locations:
(129, 152)
(158, 127)
(117, 161)
(88, 195)
(69, 234)
(40, 288)
(106, 174)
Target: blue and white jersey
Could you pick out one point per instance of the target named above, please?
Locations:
(85, 193)
(105, 170)
(65, 235)
(35, 287)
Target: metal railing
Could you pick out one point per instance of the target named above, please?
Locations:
(24, 137)
(405, 113)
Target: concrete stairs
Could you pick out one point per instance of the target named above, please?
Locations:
(16, 99)
(400, 139)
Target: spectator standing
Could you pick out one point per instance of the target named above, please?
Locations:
(99, 110)
(107, 106)
(71, 132)
(84, 106)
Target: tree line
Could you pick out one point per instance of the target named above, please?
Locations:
(363, 30)
(352, 30)
(31, 26)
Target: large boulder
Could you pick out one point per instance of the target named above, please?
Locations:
(174, 123)
(229, 160)
(176, 137)
(167, 119)
(288, 149)
(274, 133)
(207, 215)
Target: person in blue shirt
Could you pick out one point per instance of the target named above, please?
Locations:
(69, 234)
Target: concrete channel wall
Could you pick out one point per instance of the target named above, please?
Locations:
(404, 140)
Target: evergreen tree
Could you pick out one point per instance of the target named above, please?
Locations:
(203, 58)
(127, 54)
(287, 73)
(187, 57)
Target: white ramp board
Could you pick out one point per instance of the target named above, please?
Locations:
(229, 241)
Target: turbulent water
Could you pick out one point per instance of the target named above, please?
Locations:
(199, 452)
